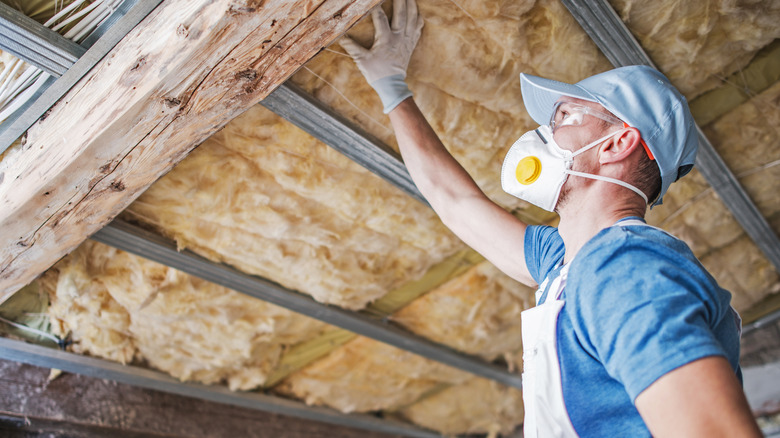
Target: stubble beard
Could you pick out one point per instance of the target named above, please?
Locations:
(563, 198)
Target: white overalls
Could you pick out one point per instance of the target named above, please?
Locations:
(545, 411)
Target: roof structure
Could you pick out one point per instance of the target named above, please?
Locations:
(290, 189)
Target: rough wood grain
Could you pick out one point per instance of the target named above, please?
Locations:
(179, 76)
(80, 406)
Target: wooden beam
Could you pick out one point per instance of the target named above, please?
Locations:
(179, 76)
(19, 351)
(72, 405)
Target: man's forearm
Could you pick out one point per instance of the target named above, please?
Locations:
(440, 178)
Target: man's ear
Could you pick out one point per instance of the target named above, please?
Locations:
(621, 146)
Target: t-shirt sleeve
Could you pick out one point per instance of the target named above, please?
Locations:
(641, 309)
(543, 250)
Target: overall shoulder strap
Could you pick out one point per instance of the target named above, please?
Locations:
(628, 222)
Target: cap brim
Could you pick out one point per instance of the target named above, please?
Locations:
(539, 95)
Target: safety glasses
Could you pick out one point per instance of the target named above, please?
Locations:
(572, 114)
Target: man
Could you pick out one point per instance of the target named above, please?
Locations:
(630, 335)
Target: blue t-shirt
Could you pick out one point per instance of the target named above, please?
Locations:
(638, 304)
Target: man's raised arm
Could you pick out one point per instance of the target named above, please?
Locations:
(453, 194)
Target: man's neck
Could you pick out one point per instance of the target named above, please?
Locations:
(584, 218)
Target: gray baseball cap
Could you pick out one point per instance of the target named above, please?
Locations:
(640, 96)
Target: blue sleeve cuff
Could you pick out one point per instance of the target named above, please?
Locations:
(392, 90)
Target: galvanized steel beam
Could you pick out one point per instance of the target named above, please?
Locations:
(19, 351)
(36, 44)
(611, 35)
(764, 321)
(92, 50)
(324, 124)
(132, 239)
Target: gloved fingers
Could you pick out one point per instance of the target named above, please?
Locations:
(418, 28)
(354, 49)
(381, 26)
(399, 15)
(413, 20)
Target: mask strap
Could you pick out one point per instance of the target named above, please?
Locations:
(611, 180)
(591, 145)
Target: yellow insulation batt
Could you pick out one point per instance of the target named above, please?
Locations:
(748, 138)
(478, 406)
(465, 77)
(477, 313)
(365, 375)
(124, 308)
(268, 198)
(693, 212)
(699, 43)
(43, 10)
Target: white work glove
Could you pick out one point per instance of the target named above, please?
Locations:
(384, 65)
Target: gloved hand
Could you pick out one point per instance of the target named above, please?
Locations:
(384, 65)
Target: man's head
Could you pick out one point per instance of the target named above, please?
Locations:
(641, 97)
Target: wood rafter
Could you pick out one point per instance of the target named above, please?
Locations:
(144, 378)
(184, 72)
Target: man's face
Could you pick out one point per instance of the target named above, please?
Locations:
(574, 130)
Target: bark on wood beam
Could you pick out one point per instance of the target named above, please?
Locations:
(183, 73)
(145, 378)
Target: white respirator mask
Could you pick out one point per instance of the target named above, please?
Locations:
(535, 168)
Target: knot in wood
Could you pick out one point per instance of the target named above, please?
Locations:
(182, 31)
(172, 102)
(248, 74)
(245, 6)
(140, 63)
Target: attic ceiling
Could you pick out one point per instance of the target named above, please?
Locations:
(270, 200)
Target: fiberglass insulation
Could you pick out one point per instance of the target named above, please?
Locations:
(268, 198)
(699, 43)
(366, 375)
(464, 75)
(122, 307)
(263, 196)
(478, 313)
(478, 406)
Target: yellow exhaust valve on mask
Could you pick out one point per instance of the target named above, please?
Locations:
(528, 170)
